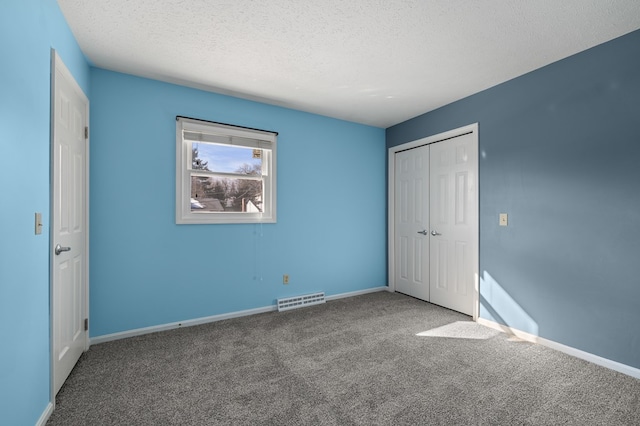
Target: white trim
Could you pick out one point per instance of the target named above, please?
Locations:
(179, 324)
(213, 318)
(587, 356)
(357, 293)
(391, 206)
(45, 415)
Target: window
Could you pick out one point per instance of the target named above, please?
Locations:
(224, 173)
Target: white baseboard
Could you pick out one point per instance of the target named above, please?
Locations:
(604, 362)
(45, 415)
(214, 318)
(180, 324)
(356, 293)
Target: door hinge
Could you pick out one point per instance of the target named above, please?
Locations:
(86, 324)
(86, 132)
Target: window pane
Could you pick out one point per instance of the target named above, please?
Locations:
(227, 172)
(226, 158)
(210, 194)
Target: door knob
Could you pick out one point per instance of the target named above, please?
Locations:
(435, 234)
(59, 249)
(423, 232)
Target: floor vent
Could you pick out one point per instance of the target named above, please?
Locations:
(299, 301)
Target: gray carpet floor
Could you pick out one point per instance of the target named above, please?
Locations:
(376, 359)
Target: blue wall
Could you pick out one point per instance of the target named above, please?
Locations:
(28, 30)
(560, 153)
(146, 270)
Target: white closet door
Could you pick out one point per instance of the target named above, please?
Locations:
(412, 222)
(454, 222)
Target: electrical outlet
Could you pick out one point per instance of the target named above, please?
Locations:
(285, 279)
(504, 220)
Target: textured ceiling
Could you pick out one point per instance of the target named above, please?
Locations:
(376, 62)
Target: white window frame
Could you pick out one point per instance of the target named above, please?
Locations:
(189, 131)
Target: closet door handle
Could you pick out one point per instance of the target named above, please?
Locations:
(435, 234)
(423, 232)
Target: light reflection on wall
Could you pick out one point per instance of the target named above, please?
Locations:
(498, 306)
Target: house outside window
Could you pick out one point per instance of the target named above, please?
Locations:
(224, 173)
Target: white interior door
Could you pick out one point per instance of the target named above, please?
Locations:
(434, 198)
(454, 218)
(412, 222)
(68, 223)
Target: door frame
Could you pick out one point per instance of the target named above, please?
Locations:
(58, 65)
(471, 128)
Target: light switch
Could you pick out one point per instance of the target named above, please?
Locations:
(503, 219)
(38, 224)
